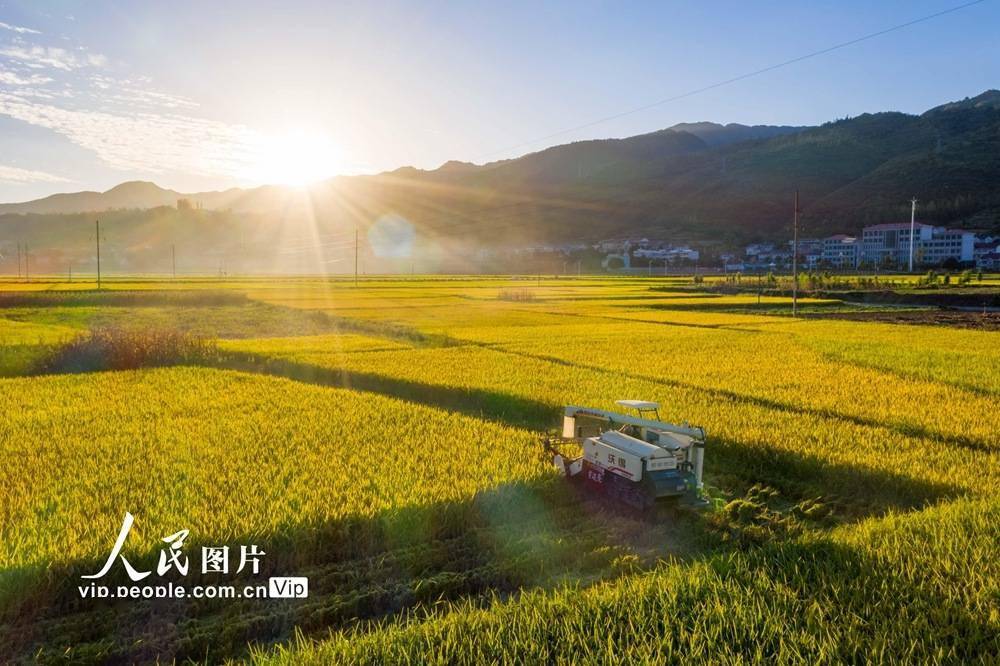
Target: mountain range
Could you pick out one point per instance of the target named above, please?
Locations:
(696, 181)
(538, 167)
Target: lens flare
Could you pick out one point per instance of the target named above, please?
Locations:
(391, 237)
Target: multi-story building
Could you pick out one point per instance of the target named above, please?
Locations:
(669, 253)
(986, 252)
(946, 244)
(840, 251)
(889, 245)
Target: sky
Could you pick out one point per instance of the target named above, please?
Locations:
(208, 95)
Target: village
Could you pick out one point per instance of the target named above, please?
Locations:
(900, 246)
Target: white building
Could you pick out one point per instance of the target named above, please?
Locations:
(669, 253)
(840, 251)
(986, 252)
(889, 245)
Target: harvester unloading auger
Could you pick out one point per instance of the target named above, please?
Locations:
(634, 459)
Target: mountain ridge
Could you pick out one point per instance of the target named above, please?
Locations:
(692, 179)
(128, 192)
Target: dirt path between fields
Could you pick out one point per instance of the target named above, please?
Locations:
(983, 321)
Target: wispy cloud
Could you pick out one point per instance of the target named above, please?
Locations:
(123, 120)
(40, 57)
(19, 29)
(15, 79)
(136, 93)
(18, 176)
(144, 141)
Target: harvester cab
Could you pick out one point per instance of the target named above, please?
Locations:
(636, 459)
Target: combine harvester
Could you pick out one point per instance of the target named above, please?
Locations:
(633, 459)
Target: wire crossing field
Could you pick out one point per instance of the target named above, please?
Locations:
(382, 440)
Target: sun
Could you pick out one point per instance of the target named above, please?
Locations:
(296, 158)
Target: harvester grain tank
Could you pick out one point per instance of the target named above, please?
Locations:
(636, 459)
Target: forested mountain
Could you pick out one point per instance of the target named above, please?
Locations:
(695, 181)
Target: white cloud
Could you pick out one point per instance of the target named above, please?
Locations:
(52, 57)
(124, 121)
(15, 79)
(18, 176)
(18, 29)
(145, 141)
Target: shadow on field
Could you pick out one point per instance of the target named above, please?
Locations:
(738, 308)
(853, 492)
(503, 540)
(829, 602)
(122, 298)
(207, 313)
(497, 406)
(637, 320)
(850, 492)
(906, 429)
(908, 375)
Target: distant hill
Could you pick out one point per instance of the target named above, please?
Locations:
(714, 134)
(694, 181)
(133, 194)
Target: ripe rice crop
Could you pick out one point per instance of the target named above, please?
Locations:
(869, 596)
(77, 449)
(383, 441)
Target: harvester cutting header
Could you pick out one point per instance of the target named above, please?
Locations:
(634, 459)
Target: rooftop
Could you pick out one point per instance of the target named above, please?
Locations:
(896, 226)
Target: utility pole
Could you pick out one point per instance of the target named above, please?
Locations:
(355, 255)
(18, 261)
(173, 260)
(913, 226)
(27, 271)
(795, 258)
(97, 235)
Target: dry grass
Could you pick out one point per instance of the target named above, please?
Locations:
(125, 349)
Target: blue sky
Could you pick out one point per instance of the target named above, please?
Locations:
(206, 95)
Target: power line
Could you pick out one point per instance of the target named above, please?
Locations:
(741, 77)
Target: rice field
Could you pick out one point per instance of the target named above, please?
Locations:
(383, 440)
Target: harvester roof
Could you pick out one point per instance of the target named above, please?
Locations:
(639, 404)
